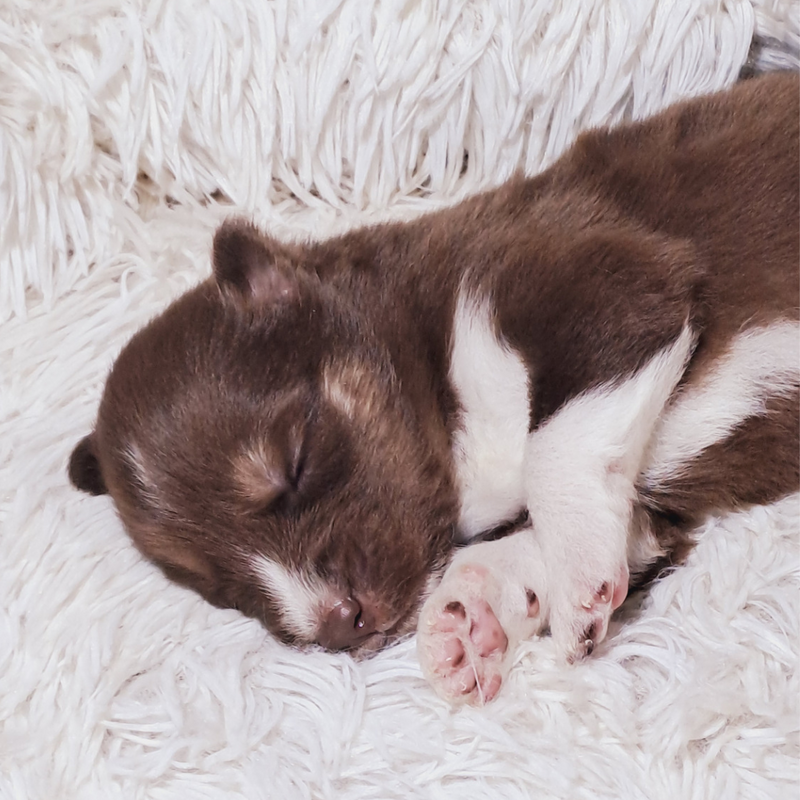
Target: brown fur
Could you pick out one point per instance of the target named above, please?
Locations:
(217, 436)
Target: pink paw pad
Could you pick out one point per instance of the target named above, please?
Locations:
(465, 651)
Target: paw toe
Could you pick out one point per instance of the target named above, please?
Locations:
(485, 631)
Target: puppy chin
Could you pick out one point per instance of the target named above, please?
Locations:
(403, 629)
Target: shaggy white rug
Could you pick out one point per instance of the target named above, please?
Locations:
(128, 129)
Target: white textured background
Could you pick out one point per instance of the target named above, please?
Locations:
(127, 131)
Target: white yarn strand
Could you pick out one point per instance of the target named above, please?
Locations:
(351, 104)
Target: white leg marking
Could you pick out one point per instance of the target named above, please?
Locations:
(301, 598)
(581, 458)
(643, 545)
(572, 566)
(491, 383)
(760, 363)
(580, 471)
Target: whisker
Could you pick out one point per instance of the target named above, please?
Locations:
(475, 673)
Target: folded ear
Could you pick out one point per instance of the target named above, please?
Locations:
(253, 266)
(84, 468)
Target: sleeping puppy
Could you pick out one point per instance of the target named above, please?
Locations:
(608, 351)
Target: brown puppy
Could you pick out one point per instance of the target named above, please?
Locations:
(610, 348)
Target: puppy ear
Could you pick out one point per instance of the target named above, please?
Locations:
(84, 468)
(253, 266)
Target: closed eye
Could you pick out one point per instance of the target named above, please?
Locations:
(297, 470)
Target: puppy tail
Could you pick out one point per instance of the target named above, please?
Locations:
(84, 468)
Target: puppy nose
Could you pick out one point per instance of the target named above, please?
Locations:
(345, 625)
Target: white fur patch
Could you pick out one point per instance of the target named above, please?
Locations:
(301, 597)
(491, 383)
(146, 485)
(760, 363)
(604, 430)
(581, 465)
(643, 545)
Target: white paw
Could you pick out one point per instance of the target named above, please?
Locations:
(581, 605)
(470, 626)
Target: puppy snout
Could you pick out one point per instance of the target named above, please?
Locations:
(347, 624)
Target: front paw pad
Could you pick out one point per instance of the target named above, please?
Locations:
(462, 646)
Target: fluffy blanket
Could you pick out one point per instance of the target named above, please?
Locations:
(128, 129)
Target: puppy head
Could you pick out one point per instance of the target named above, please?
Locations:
(258, 448)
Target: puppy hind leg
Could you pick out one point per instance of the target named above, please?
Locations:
(757, 463)
(729, 440)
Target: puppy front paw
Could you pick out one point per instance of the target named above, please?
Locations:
(581, 609)
(471, 624)
(463, 649)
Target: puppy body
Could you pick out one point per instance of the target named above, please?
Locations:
(610, 348)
